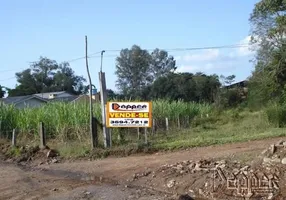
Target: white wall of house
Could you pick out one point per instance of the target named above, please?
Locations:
(31, 103)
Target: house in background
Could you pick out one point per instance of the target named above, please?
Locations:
(58, 96)
(31, 101)
(85, 98)
(40, 99)
(240, 84)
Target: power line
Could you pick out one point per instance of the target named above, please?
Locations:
(107, 56)
(195, 48)
(83, 57)
(94, 55)
(182, 49)
(10, 70)
(8, 79)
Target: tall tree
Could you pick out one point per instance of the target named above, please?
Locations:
(66, 80)
(137, 69)
(47, 75)
(268, 80)
(161, 64)
(132, 70)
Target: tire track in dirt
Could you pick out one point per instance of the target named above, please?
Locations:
(27, 183)
(120, 169)
(68, 180)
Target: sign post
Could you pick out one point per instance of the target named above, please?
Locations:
(103, 95)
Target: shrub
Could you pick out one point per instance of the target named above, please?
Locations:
(276, 114)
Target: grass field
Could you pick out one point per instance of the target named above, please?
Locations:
(248, 126)
(68, 130)
(67, 120)
(222, 129)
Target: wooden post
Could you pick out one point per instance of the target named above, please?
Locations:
(0, 128)
(146, 136)
(167, 124)
(14, 137)
(42, 134)
(188, 121)
(138, 132)
(153, 126)
(103, 99)
(179, 124)
(91, 125)
(94, 131)
(110, 136)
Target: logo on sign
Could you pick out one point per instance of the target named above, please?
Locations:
(117, 107)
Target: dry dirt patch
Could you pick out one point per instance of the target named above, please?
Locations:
(157, 176)
(262, 178)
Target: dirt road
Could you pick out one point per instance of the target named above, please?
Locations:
(103, 179)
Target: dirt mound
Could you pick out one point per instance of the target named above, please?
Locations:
(28, 154)
(263, 178)
(275, 154)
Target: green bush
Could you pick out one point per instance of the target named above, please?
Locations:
(276, 114)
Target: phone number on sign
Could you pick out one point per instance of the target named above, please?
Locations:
(129, 122)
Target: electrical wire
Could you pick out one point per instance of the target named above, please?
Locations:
(7, 79)
(194, 48)
(83, 57)
(179, 49)
(94, 55)
(10, 70)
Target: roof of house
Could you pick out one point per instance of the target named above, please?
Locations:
(83, 97)
(42, 97)
(67, 99)
(46, 95)
(18, 99)
(240, 83)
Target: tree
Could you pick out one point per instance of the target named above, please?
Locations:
(161, 64)
(66, 80)
(186, 86)
(227, 80)
(132, 70)
(111, 94)
(268, 23)
(47, 75)
(137, 69)
(268, 80)
(2, 92)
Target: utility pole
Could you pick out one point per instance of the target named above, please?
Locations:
(101, 60)
(103, 99)
(93, 131)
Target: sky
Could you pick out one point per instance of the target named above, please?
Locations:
(57, 30)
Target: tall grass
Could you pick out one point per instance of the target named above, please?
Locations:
(276, 114)
(176, 109)
(70, 120)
